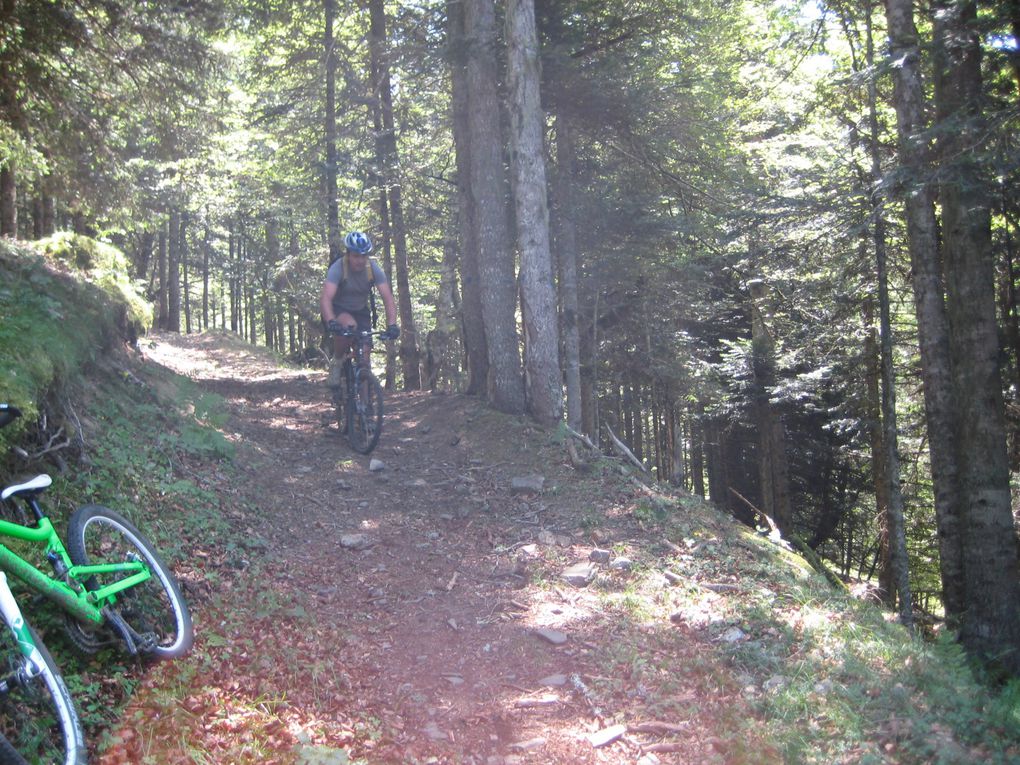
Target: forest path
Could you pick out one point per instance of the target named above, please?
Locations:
(401, 611)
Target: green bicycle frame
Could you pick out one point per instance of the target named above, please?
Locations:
(83, 604)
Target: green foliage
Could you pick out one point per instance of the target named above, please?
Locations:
(58, 319)
(103, 265)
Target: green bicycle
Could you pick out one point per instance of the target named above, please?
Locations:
(109, 580)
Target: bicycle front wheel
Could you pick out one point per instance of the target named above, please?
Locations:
(38, 721)
(367, 415)
(154, 611)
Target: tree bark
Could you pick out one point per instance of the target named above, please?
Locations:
(895, 525)
(932, 325)
(773, 463)
(332, 208)
(162, 259)
(387, 143)
(476, 350)
(182, 250)
(173, 276)
(497, 280)
(8, 200)
(990, 626)
(542, 362)
(566, 240)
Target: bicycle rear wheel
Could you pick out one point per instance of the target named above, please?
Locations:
(38, 721)
(367, 415)
(154, 611)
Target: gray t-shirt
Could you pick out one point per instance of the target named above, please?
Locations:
(352, 295)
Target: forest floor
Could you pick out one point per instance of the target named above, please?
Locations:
(431, 610)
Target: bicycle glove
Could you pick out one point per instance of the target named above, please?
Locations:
(334, 326)
(393, 332)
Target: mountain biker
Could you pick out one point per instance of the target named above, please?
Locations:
(345, 294)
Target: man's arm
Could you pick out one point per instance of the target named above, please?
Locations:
(387, 297)
(326, 301)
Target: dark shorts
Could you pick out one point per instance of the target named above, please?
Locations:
(363, 318)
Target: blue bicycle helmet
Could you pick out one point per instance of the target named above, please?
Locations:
(358, 242)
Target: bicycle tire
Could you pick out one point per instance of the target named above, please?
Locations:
(154, 608)
(39, 724)
(366, 416)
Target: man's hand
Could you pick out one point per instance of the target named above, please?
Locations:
(334, 326)
(392, 332)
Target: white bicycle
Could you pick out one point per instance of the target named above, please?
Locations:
(38, 721)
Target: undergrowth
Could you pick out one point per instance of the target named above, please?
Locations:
(142, 441)
(830, 679)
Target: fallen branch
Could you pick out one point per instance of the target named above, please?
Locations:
(51, 446)
(582, 438)
(774, 531)
(622, 448)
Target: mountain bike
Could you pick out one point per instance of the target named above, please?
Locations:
(358, 400)
(109, 580)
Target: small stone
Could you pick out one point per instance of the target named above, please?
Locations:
(600, 556)
(607, 735)
(622, 564)
(356, 541)
(375, 465)
(532, 484)
(546, 537)
(673, 578)
(733, 635)
(580, 574)
(553, 681)
(553, 636)
(529, 745)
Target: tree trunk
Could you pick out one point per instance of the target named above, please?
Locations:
(206, 247)
(173, 276)
(164, 300)
(773, 464)
(476, 350)
(879, 463)
(232, 245)
(497, 281)
(185, 274)
(895, 525)
(332, 208)
(8, 200)
(387, 142)
(566, 239)
(990, 626)
(698, 451)
(932, 326)
(542, 362)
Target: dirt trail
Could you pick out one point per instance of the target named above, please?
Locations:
(402, 613)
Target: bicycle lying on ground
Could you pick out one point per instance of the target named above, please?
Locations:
(109, 581)
(358, 400)
(38, 720)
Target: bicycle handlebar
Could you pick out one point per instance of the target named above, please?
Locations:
(8, 414)
(358, 333)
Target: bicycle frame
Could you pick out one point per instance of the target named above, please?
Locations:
(74, 598)
(11, 614)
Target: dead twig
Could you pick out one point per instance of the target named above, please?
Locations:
(622, 448)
